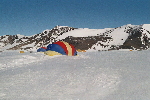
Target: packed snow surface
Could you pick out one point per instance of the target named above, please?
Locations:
(83, 32)
(107, 75)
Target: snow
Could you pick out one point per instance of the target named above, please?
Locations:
(146, 26)
(1, 45)
(119, 36)
(3, 48)
(29, 45)
(83, 32)
(107, 75)
(24, 40)
(20, 36)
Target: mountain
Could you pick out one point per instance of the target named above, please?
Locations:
(134, 37)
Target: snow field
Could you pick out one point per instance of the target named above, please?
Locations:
(110, 75)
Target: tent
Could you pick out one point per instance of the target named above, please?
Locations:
(52, 53)
(21, 51)
(79, 50)
(42, 49)
(60, 48)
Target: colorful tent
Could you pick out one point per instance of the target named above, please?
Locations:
(42, 49)
(62, 48)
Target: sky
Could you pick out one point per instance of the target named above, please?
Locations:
(29, 17)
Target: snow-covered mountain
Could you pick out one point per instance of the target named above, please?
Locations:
(135, 37)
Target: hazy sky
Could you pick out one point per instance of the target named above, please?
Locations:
(30, 17)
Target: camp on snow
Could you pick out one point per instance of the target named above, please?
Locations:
(59, 48)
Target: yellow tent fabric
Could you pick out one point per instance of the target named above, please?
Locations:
(81, 50)
(21, 51)
(51, 53)
(68, 48)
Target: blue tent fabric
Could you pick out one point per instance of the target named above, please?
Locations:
(41, 50)
(75, 53)
(57, 48)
